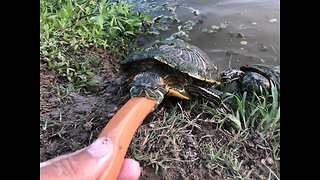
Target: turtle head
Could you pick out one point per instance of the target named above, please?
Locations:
(148, 84)
(231, 79)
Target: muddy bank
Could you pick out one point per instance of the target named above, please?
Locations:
(71, 118)
(176, 141)
(192, 146)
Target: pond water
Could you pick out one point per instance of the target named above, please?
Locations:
(231, 32)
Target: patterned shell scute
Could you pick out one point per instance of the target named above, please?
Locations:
(181, 56)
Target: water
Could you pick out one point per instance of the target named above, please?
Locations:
(252, 34)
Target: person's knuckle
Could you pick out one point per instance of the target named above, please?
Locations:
(67, 168)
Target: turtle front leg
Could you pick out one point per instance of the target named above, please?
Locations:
(149, 85)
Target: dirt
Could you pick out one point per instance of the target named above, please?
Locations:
(73, 121)
(166, 148)
(180, 150)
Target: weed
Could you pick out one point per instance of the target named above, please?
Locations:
(261, 115)
(86, 23)
(67, 26)
(64, 92)
(78, 72)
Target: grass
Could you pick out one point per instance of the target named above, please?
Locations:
(179, 137)
(223, 158)
(68, 26)
(194, 134)
(69, 30)
(261, 115)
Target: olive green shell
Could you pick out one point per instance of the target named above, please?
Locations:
(181, 56)
(270, 72)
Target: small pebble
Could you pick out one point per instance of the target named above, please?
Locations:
(272, 20)
(243, 42)
(269, 160)
(196, 12)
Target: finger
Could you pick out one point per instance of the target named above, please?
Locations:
(88, 163)
(130, 170)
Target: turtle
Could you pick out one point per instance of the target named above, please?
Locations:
(251, 78)
(172, 67)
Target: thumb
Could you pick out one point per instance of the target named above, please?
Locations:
(87, 163)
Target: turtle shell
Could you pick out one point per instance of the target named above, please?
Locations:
(179, 55)
(270, 72)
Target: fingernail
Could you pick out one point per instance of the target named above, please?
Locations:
(101, 147)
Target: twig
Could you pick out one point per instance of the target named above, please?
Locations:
(180, 160)
(274, 50)
(271, 171)
(87, 15)
(230, 61)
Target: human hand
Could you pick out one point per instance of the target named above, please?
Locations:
(87, 163)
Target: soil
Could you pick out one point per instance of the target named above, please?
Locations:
(74, 120)
(71, 119)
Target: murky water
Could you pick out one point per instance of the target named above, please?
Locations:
(252, 34)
